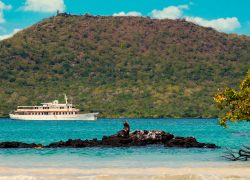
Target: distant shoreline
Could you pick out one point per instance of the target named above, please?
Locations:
(3, 117)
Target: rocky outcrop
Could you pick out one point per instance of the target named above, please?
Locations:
(136, 138)
(187, 142)
(123, 138)
(19, 145)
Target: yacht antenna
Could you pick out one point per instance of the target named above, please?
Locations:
(66, 99)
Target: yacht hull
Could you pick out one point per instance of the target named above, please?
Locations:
(82, 117)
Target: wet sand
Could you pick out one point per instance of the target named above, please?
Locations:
(227, 173)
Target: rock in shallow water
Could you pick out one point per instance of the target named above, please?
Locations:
(5, 145)
(123, 138)
(187, 142)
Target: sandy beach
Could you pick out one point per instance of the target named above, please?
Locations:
(126, 173)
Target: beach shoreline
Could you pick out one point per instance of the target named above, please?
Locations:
(237, 172)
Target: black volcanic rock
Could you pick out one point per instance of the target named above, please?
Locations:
(187, 142)
(123, 138)
(150, 137)
(5, 145)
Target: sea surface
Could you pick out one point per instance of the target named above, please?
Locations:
(45, 132)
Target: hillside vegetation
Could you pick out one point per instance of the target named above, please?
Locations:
(121, 66)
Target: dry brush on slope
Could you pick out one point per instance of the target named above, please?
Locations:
(121, 66)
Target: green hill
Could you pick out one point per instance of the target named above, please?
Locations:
(121, 66)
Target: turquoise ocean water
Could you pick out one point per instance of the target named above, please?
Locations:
(45, 132)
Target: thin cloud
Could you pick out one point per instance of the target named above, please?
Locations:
(176, 12)
(183, 6)
(6, 36)
(2, 29)
(131, 13)
(171, 12)
(220, 24)
(2, 8)
(45, 6)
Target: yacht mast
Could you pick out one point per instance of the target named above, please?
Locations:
(66, 99)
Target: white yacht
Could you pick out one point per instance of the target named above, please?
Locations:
(51, 111)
